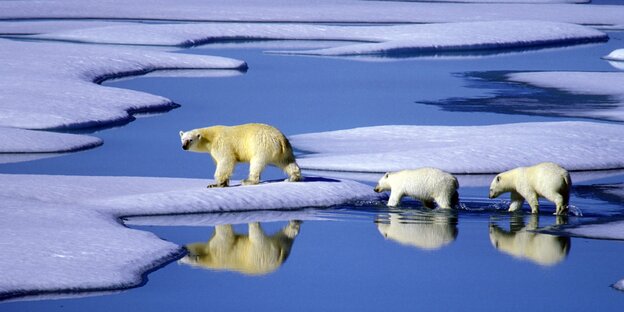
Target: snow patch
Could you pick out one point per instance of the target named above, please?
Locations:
(13, 140)
(464, 149)
(69, 224)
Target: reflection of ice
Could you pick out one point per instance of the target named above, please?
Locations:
(427, 230)
(522, 243)
(254, 254)
(216, 218)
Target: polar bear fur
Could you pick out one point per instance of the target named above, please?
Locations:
(257, 144)
(253, 254)
(547, 180)
(429, 231)
(524, 243)
(428, 185)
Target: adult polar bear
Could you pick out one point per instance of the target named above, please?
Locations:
(257, 144)
(547, 180)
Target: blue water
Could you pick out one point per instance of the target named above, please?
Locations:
(346, 263)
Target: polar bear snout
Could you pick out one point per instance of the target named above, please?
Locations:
(378, 189)
(185, 145)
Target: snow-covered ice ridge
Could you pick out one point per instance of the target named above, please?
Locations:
(379, 39)
(354, 11)
(54, 86)
(464, 149)
(52, 225)
(590, 83)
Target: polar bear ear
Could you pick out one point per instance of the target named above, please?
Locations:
(181, 133)
(198, 136)
(386, 175)
(497, 178)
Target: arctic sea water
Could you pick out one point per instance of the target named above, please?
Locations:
(345, 259)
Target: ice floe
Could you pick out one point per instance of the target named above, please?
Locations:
(51, 86)
(69, 224)
(13, 140)
(616, 55)
(381, 39)
(464, 149)
(616, 59)
(586, 83)
(609, 230)
(353, 11)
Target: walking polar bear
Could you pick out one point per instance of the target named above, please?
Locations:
(547, 180)
(253, 254)
(257, 144)
(428, 185)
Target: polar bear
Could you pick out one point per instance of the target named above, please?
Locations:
(253, 254)
(425, 184)
(427, 230)
(547, 180)
(257, 144)
(524, 243)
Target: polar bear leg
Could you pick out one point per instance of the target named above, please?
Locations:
(562, 208)
(222, 173)
(292, 229)
(445, 202)
(533, 202)
(256, 166)
(516, 202)
(255, 232)
(293, 172)
(395, 198)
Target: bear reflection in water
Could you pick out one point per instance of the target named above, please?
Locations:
(428, 230)
(253, 254)
(522, 243)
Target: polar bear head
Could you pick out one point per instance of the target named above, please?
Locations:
(498, 186)
(189, 139)
(383, 184)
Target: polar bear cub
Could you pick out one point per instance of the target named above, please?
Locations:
(257, 144)
(547, 180)
(428, 185)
